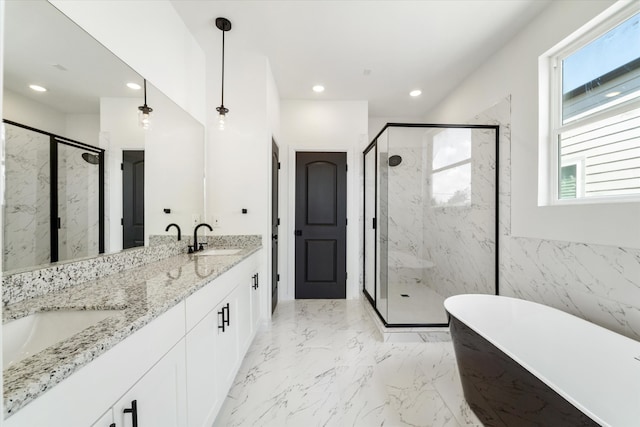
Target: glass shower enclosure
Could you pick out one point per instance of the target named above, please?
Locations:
(430, 219)
(54, 198)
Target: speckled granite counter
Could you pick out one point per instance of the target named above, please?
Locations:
(142, 294)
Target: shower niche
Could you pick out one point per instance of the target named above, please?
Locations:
(430, 219)
(55, 209)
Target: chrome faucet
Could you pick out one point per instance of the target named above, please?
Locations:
(177, 227)
(197, 247)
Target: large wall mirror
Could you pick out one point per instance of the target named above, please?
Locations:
(81, 176)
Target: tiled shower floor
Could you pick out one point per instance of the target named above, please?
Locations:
(415, 303)
(322, 363)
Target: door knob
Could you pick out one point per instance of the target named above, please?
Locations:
(298, 232)
(274, 236)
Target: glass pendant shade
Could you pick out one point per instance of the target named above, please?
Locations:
(222, 116)
(144, 117)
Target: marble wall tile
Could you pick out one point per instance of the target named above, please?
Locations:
(598, 283)
(27, 208)
(26, 225)
(78, 206)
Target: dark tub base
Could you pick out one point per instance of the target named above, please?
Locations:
(503, 393)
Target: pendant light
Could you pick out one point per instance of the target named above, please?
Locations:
(223, 25)
(144, 113)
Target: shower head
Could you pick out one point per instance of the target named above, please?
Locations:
(395, 160)
(93, 159)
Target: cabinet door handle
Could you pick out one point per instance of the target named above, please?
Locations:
(256, 284)
(221, 324)
(134, 413)
(228, 314)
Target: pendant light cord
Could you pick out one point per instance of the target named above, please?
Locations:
(222, 103)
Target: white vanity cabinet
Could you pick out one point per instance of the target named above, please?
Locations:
(256, 295)
(106, 420)
(159, 398)
(178, 368)
(216, 344)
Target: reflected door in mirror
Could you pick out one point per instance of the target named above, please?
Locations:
(132, 198)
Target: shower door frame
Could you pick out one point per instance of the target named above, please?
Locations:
(374, 145)
(54, 140)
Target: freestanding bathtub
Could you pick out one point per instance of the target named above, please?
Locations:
(527, 364)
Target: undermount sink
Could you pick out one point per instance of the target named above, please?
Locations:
(218, 251)
(31, 334)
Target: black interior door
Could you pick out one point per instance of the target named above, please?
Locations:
(132, 198)
(275, 221)
(321, 225)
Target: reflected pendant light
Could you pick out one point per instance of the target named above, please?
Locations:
(223, 25)
(144, 111)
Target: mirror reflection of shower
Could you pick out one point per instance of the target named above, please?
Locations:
(395, 160)
(92, 159)
(55, 210)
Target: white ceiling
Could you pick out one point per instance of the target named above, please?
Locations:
(431, 44)
(42, 46)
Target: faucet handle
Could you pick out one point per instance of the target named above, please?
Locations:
(190, 249)
(201, 246)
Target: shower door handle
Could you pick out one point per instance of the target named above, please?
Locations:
(373, 225)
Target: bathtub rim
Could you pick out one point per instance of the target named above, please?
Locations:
(598, 409)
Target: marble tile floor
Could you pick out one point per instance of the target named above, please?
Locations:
(322, 363)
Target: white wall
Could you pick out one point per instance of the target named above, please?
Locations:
(238, 159)
(83, 127)
(80, 127)
(323, 126)
(238, 156)
(377, 123)
(514, 70)
(119, 131)
(152, 39)
(25, 111)
(174, 173)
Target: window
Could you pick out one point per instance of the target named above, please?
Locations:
(595, 113)
(451, 168)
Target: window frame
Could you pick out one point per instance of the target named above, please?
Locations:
(587, 34)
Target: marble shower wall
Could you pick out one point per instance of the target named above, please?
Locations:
(26, 211)
(444, 239)
(78, 208)
(405, 219)
(27, 232)
(595, 282)
(459, 228)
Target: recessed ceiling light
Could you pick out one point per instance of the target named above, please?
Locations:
(318, 88)
(38, 88)
(612, 94)
(415, 93)
(134, 86)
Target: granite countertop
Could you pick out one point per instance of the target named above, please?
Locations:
(140, 294)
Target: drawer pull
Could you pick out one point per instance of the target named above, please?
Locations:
(134, 413)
